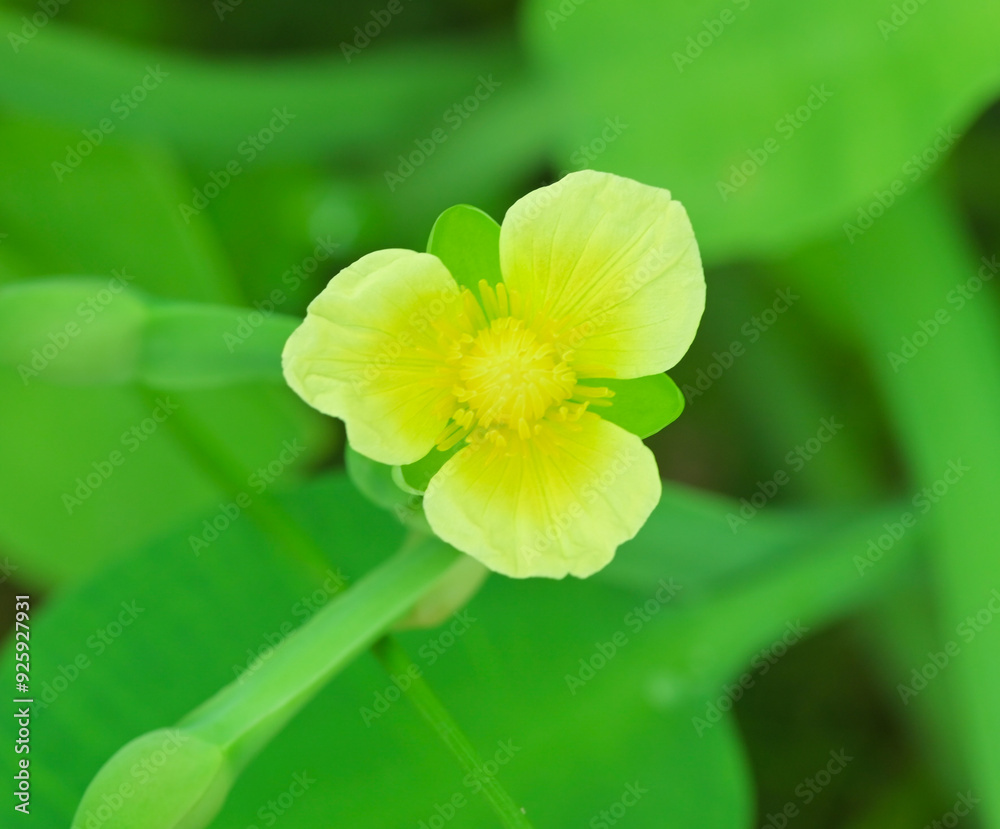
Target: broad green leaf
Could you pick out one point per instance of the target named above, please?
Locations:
(226, 732)
(643, 405)
(823, 577)
(930, 335)
(68, 503)
(116, 213)
(500, 668)
(467, 240)
(765, 153)
(216, 111)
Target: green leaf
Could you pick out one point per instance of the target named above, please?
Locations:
(807, 151)
(909, 279)
(643, 405)
(211, 109)
(216, 740)
(369, 761)
(468, 242)
(116, 214)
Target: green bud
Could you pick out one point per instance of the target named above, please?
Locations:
(191, 345)
(72, 330)
(166, 779)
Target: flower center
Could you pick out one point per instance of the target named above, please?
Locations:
(509, 375)
(510, 378)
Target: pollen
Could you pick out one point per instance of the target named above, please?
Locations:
(509, 376)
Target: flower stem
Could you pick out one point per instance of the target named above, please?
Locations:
(246, 714)
(396, 661)
(274, 521)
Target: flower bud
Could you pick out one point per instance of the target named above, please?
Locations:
(166, 779)
(71, 330)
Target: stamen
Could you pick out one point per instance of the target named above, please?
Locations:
(509, 375)
(473, 310)
(489, 299)
(502, 300)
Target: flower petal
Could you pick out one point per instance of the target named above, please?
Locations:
(613, 261)
(562, 506)
(370, 352)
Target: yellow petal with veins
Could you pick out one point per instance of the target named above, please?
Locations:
(372, 351)
(558, 503)
(614, 264)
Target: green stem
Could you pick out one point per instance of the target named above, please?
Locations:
(275, 522)
(397, 662)
(246, 714)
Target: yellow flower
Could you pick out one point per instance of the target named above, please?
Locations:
(601, 279)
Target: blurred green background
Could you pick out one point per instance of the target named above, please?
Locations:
(827, 661)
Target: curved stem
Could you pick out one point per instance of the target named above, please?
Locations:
(247, 713)
(396, 661)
